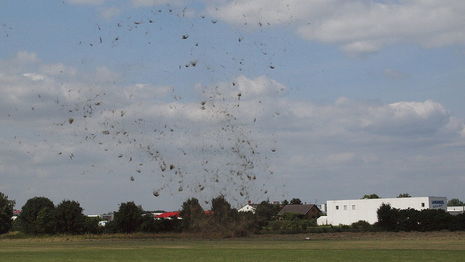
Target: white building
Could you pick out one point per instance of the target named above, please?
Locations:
(248, 208)
(455, 210)
(346, 212)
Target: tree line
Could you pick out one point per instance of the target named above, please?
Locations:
(40, 216)
(393, 219)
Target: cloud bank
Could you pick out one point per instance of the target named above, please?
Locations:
(357, 27)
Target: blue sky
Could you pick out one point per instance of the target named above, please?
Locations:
(338, 99)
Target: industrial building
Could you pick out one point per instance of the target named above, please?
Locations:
(346, 212)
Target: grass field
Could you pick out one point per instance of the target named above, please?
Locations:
(438, 246)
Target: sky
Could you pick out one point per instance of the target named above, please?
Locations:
(156, 101)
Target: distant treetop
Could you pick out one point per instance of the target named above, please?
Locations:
(370, 196)
(295, 201)
(404, 195)
(455, 202)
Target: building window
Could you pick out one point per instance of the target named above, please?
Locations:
(337, 207)
(345, 207)
(422, 204)
(353, 207)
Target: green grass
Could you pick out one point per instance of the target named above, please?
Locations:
(330, 247)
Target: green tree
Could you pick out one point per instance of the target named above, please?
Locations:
(222, 212)
(285, 202)
(370, 196)
(192, 215)
(45, 222)
(91, 225)
(264, 213)
(128, 218)
(387, 217)
(69, 218)
(6, 212)
(37, 216)
(404, 195)
(455, 202)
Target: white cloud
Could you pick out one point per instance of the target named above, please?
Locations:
(57, 69)
(372, 143)
(356, 26)
(34, 76)
(25, 57)
(104, 74)
(109, 13)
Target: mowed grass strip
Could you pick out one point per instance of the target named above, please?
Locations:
(268, 248)
(228, 254)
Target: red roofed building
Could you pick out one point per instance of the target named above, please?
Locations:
(169, 215)
(176, 214)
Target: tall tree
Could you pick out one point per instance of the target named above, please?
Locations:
(192, 214)
(69, 218)
(128, 218)
(387, 217)
(6, 212)
(222, 212)
(37, 216)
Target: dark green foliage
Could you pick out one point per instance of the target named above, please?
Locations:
(192, 215)
(370, 196)
(392, 219)
(457, 222)
(91, 225)
(38, 216)
(149, 224)
(6, 212)
(361, 226)
(69, 218)
(285, 202)
(110, 227)
(404, 195)
(169, 225)
(455, 202)
(222, 212)
(128, 218)
(387, 217)
(295, 201)
(224, 220)
(45, 222)
(264, 213)
(293, 225)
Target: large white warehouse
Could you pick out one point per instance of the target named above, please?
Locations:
(346, 212)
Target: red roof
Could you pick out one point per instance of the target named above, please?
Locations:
(178, 214)
(168, 214)
(16, 212)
